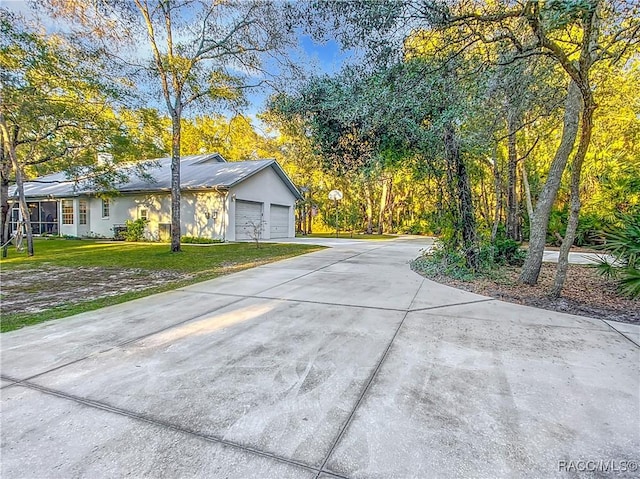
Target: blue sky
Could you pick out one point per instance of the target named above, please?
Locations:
(314, 58)
(329, 55)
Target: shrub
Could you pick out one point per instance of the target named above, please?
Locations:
(445, 260)
(590, 230)
(624, 245)
(134, 229)
(92, 235)
(556, 227)
(198, 240)
(255, 231)
(418, 227)
(506, 250)
(441, 260)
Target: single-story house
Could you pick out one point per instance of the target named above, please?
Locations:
(222, 200)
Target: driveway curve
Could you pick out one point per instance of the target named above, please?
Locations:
(341, 363)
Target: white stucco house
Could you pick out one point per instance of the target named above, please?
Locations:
(220, 200)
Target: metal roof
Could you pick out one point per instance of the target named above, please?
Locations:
(196, 172)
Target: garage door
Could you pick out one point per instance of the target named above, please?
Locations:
(248, 216)
(279, 221)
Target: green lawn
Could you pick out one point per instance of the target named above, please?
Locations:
(361, 236)
(199, 262)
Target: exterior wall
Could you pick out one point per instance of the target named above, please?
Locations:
(264, 187)
(118, 213)
(195, 207)
(128, 207)
(202, 214)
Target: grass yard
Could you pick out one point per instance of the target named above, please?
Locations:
(361, 236)
(67, 277)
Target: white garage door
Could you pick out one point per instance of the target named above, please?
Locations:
(279, 221)
(248, 216)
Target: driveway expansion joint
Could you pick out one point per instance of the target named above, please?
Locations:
(530, 323)
(449, 305)
(20, 381)
(10, 380)
(366, 388)
(123, 343)
(307, 301)
(320, 268)
(622, 334)
(167, 425)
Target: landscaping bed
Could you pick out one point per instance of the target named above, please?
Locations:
(585, 293)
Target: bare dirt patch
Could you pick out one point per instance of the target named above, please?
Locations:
(585, 292)
(39, 289)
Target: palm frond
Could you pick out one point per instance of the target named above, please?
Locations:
(629, 283)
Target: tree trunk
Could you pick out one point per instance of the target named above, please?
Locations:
(485, 209)
(587, 57)
(367, 191)
(440, 209)
(450, 204)
(175, 183)
(5, 217)
(383, 205)
(390, 206)
(512, 179)
(468, 217)
(527, 190)
(574, 214)
(464, 199)
(9, 149)
(540, 219)
(307, 217)
(22, 202)
(498, 189)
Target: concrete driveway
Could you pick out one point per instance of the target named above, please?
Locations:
(341, 363)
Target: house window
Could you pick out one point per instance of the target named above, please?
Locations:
(106, 205)
(144, 214)
(82, 212)
(67, 212)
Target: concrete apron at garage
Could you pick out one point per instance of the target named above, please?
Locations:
(340, 363)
